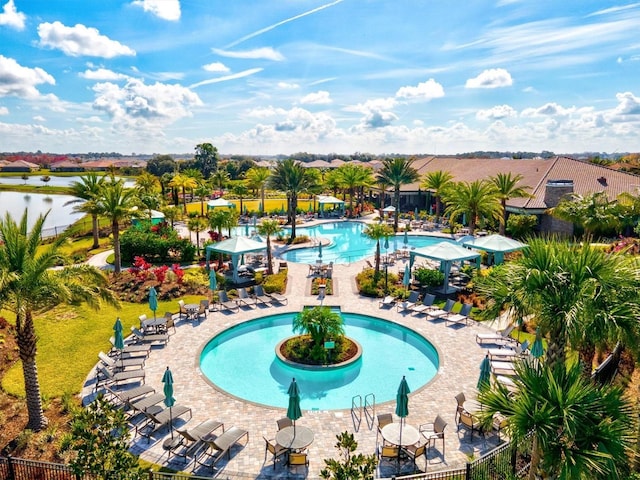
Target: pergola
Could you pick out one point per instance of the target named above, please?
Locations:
(235, 246)
(446, 253)
(329, 200)
(220, 202)
(496, 245)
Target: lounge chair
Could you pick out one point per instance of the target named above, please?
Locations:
(503, 368)
(258, 292)
(278, 298)
(388, 301)
(500, 336)
(245, 299)
(443, 312)
(226, 304)
(508, 353)
(129, 351)
(506, 382)
(156, 421)
(106, 377)
(141, 405)
(462, 316)
(409, 303)
(123, 397)
(426, 305)
(121, 364)
(191, 439)
(220, 446)
(154, 338)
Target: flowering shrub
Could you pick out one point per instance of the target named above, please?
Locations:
(179, 272)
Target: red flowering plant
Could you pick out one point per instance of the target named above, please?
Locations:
(179, 272)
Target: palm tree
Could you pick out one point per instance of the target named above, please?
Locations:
(115, 203)
(397, 172)
(320, 323)
(147, 183)
(507, 187)
(437, 182)
(291, 177)
(257, 178)
(184, 183)
(580, 430)
(28, 284)
(172, 213)
(377, 231)
(202, 191)
(197, 224)
(594, 212)
(269, 227)
(86, 191)
(570, 291)
(240, 189)
(219, 179)
(474, 199)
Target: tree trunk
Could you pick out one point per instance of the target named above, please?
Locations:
(396, 201)
(503, 219)
(115, 231)
(262, 203)
(294, 207)
(27, 347)
(587, 352)
(556, 351)
(535, 458)
(269, 261)
(94, 230)
(377, 271)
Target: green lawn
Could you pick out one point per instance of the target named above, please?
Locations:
(69, 339)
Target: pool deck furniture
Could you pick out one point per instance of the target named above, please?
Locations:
(426, 305)
(155, 421)
(121, 364)
(106, 376)
(191, 310)
(441, 312)
(501, 336)
(139, 405)
(226, 304)
(388, 301)
(461, 316)
(220, 446)
(393, 434)
(278, 298)
(245, 299)
(295, 438)
(434, 431)
(409, 303)
(503, 368)
(124, 397)
(153, 339)
(276, 451)
(190, 439)
(260, 296)
(130, 350)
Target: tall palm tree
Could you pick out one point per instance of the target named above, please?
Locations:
(397, 172)
(219, 179)
(437, 182)
(202, 191)
(570, 291)
(377, 231)
(184, 183)
(171, 213)
(257, 178)
(593, 212)
(474, 199)
(115, 203)
(240, 189)
(86, 190)
(269, 227)
(507, 187)
(580, 430)
(291, 177)
(197, 224)
(147, 183)
(29, 284)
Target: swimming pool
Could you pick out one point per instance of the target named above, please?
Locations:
(242, 362)
(349, 243)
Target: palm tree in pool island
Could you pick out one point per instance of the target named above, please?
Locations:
(397, 172)
(28, 284)
(377, 231)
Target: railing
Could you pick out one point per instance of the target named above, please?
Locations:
(21, 469)
(356, 411)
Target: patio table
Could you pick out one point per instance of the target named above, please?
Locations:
(295, 438)
(391, 434)
(192, 310)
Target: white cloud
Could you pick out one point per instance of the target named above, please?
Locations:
(217, 67)
(320, 97)
(497, 112)
(165, 9)
(423, 91)
(265, 112)
(21, 81)
(4, 111)
(548, 110)
(377, 112)
(245, 73)
(288, 86)
(11, 17)
(80, 40)
(264, 53)
(628, 104)
(139, 105)
(491, 78)
(102, 74)
(39, 118)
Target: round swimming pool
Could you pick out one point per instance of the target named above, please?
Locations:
(242, 362)
(348, 243)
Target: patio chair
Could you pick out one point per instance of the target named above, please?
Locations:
(278, 298)
(221, 446)
(383, 420)
(284, 422)
(503, 335)
(170, 323)
(258, 292)
(434, 431)
(181, 310)
(276, 451)
(426, 305)
(409, 303)
(443, 312)
(191, 438)
(499, 422)
(157, 421)
(469, 422)
(121, 364)
(461, 316)
(460, 399)
(413, 452)
(245, 299)
(389, 453)
(298, 459)
(154, 338)
(106, 376)
(203, 310)
(388, 301)
(225, 303)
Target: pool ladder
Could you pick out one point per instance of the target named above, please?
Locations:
(369, 410)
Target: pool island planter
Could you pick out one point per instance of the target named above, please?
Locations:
(306, 366)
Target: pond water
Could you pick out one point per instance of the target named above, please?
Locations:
(59, 216)
(34, 180)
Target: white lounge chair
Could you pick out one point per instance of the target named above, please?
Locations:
(503, 368)
(387, 301)
(245, 299)
(426, 305)
(500, 336)
(225, 303)
(409, 303)
(462, 316)
(443, 312)
(508, 353)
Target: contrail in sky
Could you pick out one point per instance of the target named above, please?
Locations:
(276, 25)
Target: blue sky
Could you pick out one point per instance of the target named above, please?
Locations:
(282, 76)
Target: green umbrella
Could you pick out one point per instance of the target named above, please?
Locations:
(386, 243)
(246, 229)
(169, 401)
(320, 249)
(406, 279)
(294, 412)
(536, 349)
(119, 337)
(485, 374)
(213, 281)
(406, 239)
(153, 301)
(402, 405)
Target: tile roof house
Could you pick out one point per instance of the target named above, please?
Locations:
(20, 166)
(549, 180)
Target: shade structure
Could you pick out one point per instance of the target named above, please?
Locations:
(485, 374)
(219, 203)
(537, 350)
(406, 278)
(235, 246)
(169, 401)
(446, 253)
(498, 245)
(213, 281)
(389, 209)
(153, 301)
(324, 200)
(402, 405)
(293, 410)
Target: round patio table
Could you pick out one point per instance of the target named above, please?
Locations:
(472, 406)
(295, 438)
(191, 309)
(391, 434)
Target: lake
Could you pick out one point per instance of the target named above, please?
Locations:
(37, 203)
(54, 182)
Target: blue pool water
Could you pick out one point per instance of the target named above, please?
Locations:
(242, 362)
(349, 243)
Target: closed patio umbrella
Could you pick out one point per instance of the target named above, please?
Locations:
(485, 374)
(293, 411)
(118, 336)
(537, 350)
(406, 279)
(246, 229)
(402, 405)
(213, 281)
(320, 249)
(169, 401)
(153, 301)
(406, 239)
